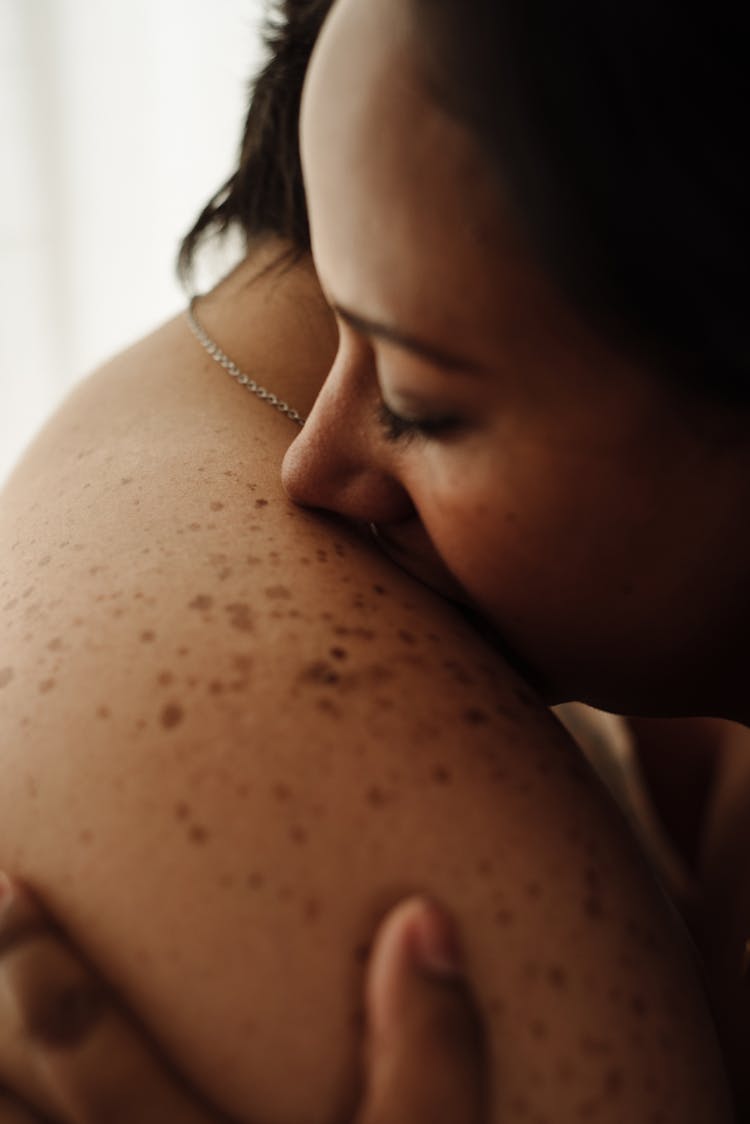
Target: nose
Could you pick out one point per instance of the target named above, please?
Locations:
(339, 461)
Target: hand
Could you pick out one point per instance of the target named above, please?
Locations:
(70, 1050)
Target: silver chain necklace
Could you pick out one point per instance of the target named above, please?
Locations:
(232, 369)
(250, 384)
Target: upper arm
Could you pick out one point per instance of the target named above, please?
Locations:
(232, 737)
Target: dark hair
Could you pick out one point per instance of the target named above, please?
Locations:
(265, 194)
(619, 128)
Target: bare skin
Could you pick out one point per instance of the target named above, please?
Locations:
(72, 1050)
(586, 501)
(236, 736)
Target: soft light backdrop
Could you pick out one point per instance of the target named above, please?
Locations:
(118, 118)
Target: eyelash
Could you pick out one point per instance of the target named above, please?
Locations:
(397, 428)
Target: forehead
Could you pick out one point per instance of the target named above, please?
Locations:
(403, 210)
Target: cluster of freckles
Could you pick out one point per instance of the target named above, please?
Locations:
(341, 669)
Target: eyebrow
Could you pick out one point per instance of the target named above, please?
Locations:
(375, 330)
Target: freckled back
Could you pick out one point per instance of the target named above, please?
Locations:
(233, 735)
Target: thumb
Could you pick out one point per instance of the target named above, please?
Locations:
(425, 1047)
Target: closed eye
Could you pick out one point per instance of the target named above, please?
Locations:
(398, 428)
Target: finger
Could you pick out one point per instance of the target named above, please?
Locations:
(67, 1045)
(425, 1044)
(20, 919)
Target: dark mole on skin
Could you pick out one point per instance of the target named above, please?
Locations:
(148, 636)
(164, 678)
(171, 716)
(197, 834)
(202, 602)
(240, 616)
(311, 909)
(557, 976)
(376, 797)
(278, 593)
(46, 685)
(261, 503)
(325, 706)
(339, 653)
(319, 673)
(361, 952)
(459, 673)
(217, 506)
(243, 663)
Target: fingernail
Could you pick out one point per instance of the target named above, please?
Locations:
(435, 944)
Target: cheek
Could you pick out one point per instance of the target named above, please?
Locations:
(524, 542)
(474, 524)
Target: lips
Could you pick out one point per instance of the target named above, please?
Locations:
(411, 549)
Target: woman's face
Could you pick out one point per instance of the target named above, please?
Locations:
(580, 504)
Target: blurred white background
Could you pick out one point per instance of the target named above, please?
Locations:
(118, 119)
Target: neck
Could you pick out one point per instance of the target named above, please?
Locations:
(270, 317)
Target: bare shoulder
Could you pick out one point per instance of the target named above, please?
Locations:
(149, 550)
(232, 735)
